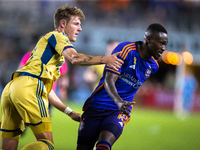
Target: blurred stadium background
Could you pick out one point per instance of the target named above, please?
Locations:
(23, 22)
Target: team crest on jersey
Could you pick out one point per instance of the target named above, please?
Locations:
(148, 73)
(124, 119)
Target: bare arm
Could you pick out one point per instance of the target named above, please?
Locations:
(57, 103)
(110, 79)
(80, 59)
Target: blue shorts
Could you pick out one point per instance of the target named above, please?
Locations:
(95, 121)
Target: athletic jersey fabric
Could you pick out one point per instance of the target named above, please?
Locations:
(132, 74)
(46, 58)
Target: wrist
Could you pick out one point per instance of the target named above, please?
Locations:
(67, 110)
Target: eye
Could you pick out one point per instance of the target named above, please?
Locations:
(163, 43)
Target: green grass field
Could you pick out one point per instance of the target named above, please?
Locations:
(147, 130)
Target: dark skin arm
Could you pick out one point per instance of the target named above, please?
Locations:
(110, 79)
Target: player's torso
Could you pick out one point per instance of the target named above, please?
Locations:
(134, 73)
(46, 58)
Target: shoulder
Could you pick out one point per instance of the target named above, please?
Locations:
(154, 64)
(154, 61)
(56, 34)
(126, 48)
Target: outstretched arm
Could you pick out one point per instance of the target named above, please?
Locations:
(57, 103)
(80, 59)
(110, 79)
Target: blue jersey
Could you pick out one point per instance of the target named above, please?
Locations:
(132, 74)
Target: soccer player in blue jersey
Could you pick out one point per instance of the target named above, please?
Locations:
(107, 110)
(25, 98)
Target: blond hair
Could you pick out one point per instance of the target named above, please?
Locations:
(65, 12)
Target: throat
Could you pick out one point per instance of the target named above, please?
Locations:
(143, 51)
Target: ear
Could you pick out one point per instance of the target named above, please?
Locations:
(63, 23)
(148, 39)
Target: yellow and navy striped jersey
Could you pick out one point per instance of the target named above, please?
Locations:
(46, 58)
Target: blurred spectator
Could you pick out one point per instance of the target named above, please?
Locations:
(93, 74)
(189, 89)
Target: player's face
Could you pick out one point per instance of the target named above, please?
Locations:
(157, 44)
(73, 28)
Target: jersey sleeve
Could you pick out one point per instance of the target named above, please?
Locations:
(155, 65)
(59, 41)
(117, 49)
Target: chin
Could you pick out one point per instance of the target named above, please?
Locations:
(155, 57)
(73, 40)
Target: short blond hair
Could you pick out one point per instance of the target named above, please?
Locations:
(65, 12)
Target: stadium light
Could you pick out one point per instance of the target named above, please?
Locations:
(187, 57)
(173, 58)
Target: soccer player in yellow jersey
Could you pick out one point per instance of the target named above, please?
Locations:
(25, 98)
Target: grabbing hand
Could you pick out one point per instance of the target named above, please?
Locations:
(123, 106)
(75, 116)
(113, 62)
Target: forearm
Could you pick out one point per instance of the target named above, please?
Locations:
(112, 91)
(110, 79)
(110, 87)
(80, 59)
(56, 102)
(87, 60)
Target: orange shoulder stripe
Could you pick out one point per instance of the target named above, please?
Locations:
(128, 52)
(155, 61)
(112, 70)
(125, 48)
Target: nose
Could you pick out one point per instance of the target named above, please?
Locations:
(79, 29)
(163, 47)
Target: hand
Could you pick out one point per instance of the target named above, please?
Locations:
(123, 106)
(75, 116)
(113, 62)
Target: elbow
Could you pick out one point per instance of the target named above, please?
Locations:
(73, 62)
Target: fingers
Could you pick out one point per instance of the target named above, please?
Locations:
(125, 107)
(117, 66)
(126, 110)
(119, 60)
(118, 53)
(75, 116)
(132, 103)
(118, 63)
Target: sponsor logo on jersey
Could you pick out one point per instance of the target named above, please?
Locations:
(121, 124)
(134, 64)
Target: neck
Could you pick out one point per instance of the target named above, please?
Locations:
(59, 29)
(142, 49)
